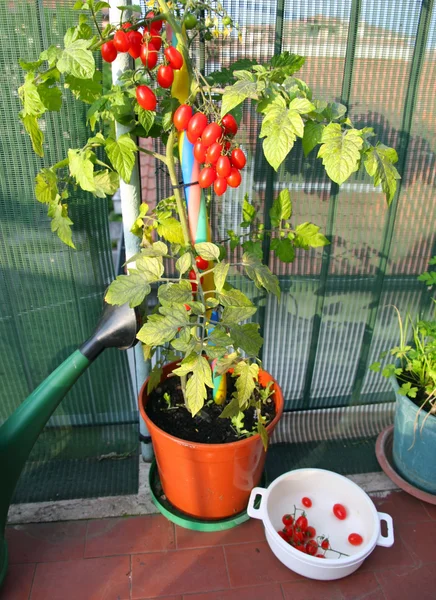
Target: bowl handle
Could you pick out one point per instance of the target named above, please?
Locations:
(259, 512)
(387, 540)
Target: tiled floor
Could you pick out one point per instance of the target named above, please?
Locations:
(139, 558)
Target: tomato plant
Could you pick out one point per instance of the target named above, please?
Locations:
(190, 21)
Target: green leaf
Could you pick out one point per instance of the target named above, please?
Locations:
(146, 118)
(100, 5)
(301, 105)
(284, 249)
(131, 288)
(253, 247)
(30, 98)
(51, 97)
(312, 136)
(30, 66)
(184, 263)
(340, 152)
(61, 223)
(121, 153)
(207, 250)
(237, 93)
(261, 430)
(247, 338)
(218, 337)
(234, 297)
(175, 292)
(235, 314)
(289, 62)
(106, 183)
(151, 267)
(171, 230)
(307, 236)
(155, 375)
(246, 376)
(280, 128)
(219, 274)
(248, 212)
(46, 186)
(225, 363)
(231, 409)
(51, 55)
(379, 164)
(82, 169)
(157, 248)
(86, 90)
(160, 329)
(196, 392)
(375, 367)
(281, 208)
(30, 123)
(77, 60)
(333, 111)
(260, 274)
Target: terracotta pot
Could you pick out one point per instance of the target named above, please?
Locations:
(209, 481)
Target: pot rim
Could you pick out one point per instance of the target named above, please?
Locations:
(279, 403)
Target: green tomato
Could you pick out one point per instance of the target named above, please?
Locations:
(190, 21)
(227, 21)
(208, 36)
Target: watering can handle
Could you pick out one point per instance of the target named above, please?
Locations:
(388, 540)
(260, 511)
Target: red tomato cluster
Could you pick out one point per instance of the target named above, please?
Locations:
(212, 148)
(300, 535)
(145, 46)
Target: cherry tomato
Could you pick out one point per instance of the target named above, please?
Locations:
(199, 152)
(135, 41)
(301, 548)
(192, 276)
(121, 41)
(202, 263)
(298, 536)
(307, 502)
(223, 166)
(213, 152)
(355, 539)
(155, 26)
(174, 57)
(287, 519)
(339, 511)
(325, 544)
(149, 55)
(211, 134)
(187, 307)
(320, 555)
(156, 40)
(182, 116)
(206, 177)
(197, 125)
(227, 21)
(282, 535)
(190, 21)
(220, 186)
(229, 124)
(227, 145)
(310, 532)
(126, 25)
(234, 179)
(289, 530)
(146, 97)
(311, 547)
(165, 76)
(238, 159)
(302, 523)
(109, 52)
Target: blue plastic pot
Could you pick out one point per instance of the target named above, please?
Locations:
(414, 450)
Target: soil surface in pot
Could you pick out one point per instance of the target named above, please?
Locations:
(206, 427)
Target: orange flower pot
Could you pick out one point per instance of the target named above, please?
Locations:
(209, 481)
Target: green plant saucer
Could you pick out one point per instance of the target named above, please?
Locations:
(183, 520)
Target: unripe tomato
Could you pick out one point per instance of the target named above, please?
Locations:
(211, 134)
(227, 21)
(165, 76)
(190, 21)
(229, 124)
(238, 159)
(121, 41)
(156, 40)
(213, 152)
(196, 126)
(207, 177)
(182, 117)
(146, 97)
(202, 263)
(220, 186)
(135, 41)
(174, 57)
(199, 152)
(155, 26)
(149, 55)
(109, 52)
(234, 179)
(223, 166)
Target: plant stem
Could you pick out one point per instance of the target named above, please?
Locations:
(170, 163)
(156, 155)
(96, 23)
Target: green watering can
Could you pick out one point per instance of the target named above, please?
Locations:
(117, 328)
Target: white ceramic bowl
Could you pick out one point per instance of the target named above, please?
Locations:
(325, 489)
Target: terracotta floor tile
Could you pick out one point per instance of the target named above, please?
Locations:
(166, 598)
(44, 542)
(384, 558)
(258, 592)
(430, 509)
(87, 579)
(17, 583)
(419, 539)
(358, 585)
(110, 537)
(178, 572)
(251, 531)
(254, 563)
(402, 507)
(407, 584)
(311, 590)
